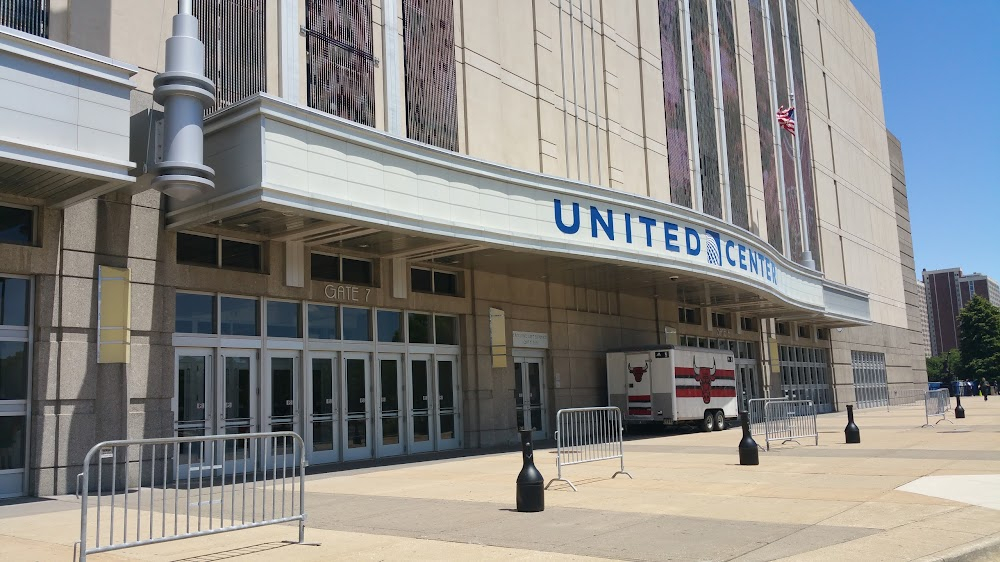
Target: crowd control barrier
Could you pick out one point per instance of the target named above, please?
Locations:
(146, 491)
(936, 405)
(905, 397)
(755, 411)
(588, 435)
(789, 420)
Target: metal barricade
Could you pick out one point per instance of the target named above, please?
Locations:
(936, 404)
(146, 491)
(789, 420)
(904, 397)
(755, 411)
(588, 435)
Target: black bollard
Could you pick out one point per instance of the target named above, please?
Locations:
(530, 484)
(852, 432)
(749, 455)
(959, 410)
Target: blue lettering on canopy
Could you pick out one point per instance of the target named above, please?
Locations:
(729, 257)
(670, 234)
(596, 218)
(628, 228)
(754, 263)
(743, 257)
(573, 228)
(689, 235)
(650, 223)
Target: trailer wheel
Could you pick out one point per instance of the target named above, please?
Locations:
(720, 420)
(708, 424)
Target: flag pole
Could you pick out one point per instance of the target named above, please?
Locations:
(807, 258)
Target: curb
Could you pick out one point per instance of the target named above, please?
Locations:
(985, 549)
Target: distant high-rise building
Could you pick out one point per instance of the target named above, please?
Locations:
(948, 291)
(925, 331)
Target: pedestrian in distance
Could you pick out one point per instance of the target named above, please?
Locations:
(984, 387)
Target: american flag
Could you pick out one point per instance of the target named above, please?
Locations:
(786, 119)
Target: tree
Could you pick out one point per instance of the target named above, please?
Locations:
(944, 368)
(979, 339)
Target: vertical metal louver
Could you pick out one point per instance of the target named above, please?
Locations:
(234, 33)
(732, 115)
(341, 66)
(802, 134)
(672, 58)
(708, 153)
(29, 16)
(765, 119)
(431, 97)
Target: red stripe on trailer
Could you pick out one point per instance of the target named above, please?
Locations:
(640, 411)
(639, 398)
(717, 392)
(682, 372)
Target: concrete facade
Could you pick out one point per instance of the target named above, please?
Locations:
(551, 97)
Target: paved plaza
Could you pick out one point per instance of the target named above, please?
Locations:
(905, 493)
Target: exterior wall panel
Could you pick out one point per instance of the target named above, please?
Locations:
(672, 59)
(431, 104)
(233, 32)
(731, 108)
(708, 154)
(341, 67)
(765, 121)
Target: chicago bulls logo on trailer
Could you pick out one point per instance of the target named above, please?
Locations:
(638, 372)
(704, 376)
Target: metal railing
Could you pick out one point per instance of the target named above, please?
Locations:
(146, 491)
(755, 411)
(588, 435)
(789, 420)
(936, 404)
(905, 397)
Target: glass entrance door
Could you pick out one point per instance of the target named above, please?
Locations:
(357, 406)
(193, 410)
(323, 427)
(529, 398)
(421, 391)
(446, 386)
(390, 391)
(236, 405)
(281, 405)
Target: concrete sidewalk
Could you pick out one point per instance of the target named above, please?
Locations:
(905, 493)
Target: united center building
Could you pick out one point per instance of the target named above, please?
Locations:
(403, 226)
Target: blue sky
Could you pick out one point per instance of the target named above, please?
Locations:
(940, 68)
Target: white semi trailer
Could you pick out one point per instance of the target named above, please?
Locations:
(674, 385)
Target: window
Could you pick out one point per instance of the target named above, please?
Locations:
(233, 32)
(433, 281)
(193, 249)
(13, 370)
(357, 324)
(322, 322)
(419, 328)
(870, 384)
(212, 251)
(446, 330)
(390, 326)
(781, 328)
(720, 320)
(283, 319)
(747, 324)
(29, 16)
(689, 315)
(240, 316)
(805, 332)
(822, 333)
(194, 313)
(325, 267)
(17, 225)
(14, 298)
(240, 255)
(356, 271)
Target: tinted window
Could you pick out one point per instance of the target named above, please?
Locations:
(446, 330)
(197, 250)
(325, 268)
(357, 271)
(322, 322)
(390, 326)
(445, 283)
(14, 302)
(16, 225)
(357, 324)
(419, 328)
(194, 314)
(283, 319)
(420, 280)
(239, 317)
(240, 255)
(13, 370)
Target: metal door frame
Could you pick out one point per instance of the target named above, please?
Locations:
(456, 409)
(524, 358)
(412, 445)
(368, 451)
(335, 454)
(377, 415)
